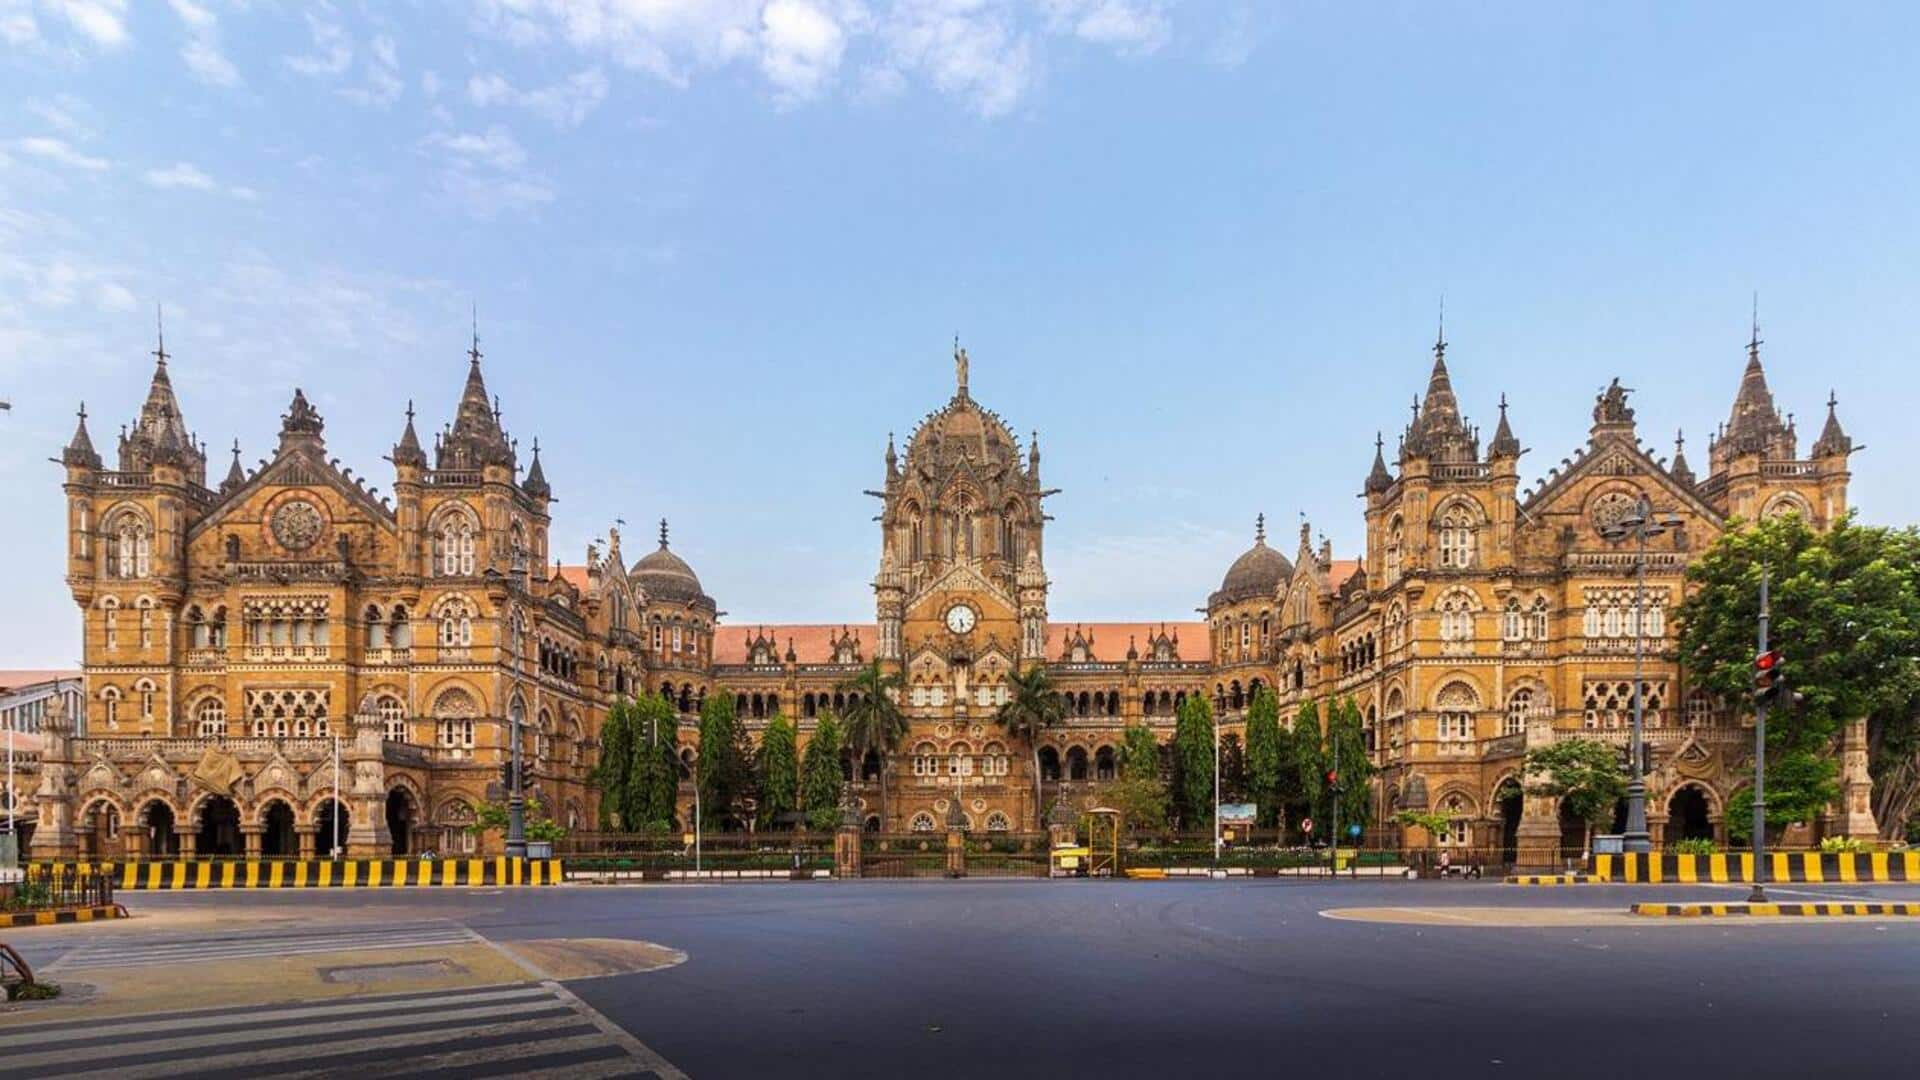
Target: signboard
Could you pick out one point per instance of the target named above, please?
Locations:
(1306, 825)
(1238, 813)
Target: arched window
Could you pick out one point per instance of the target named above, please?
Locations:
(1700, 709)
(1456, 704)
(1396, 544)
(997, 822)
(110, 622)
(129, 546)
(454, 713)
(922, 822)
(1456, 618)
(110, 705)
(456, 623)
(456, 545)
(393, 718)
(146, 691)
(1456, 538)
(1513, 623)
(1519, 707)
(1539, 618)
(210, 719)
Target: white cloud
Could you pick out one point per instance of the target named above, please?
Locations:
(59, 152)
(969, 49)
(65, 114)
(115, 297)
(496, 147)
(185, 176)
(202, 51)
(1131, 26)
(180, 175)
(801, 46)
(18, 28)
(332, 50)
(566, 104)
(99, 21)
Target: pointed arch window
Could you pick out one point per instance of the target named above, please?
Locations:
(456, 546)
(210, 719)
(1457, 538)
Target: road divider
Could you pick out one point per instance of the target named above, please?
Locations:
(1853, 909)
(320, 873)
(1554, 879)
(62, 916)
(1784, 866)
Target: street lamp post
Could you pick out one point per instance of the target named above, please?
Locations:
(1216, 791)
(1640, 525)
(516, 797)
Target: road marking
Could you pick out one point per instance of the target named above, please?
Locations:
(112, 954)
(537, 1029)
(657, 1064)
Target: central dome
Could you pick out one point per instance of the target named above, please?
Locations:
(662, 575)
(1258, 572)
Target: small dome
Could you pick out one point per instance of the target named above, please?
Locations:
(1258, 572)
(662, 575)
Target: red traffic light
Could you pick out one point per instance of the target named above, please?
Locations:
(1332, 777)
(1767, 661)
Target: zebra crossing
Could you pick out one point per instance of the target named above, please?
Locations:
(536, 1030)
(114, 954)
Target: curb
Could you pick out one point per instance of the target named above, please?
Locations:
(1555, 879)
(58, 918)
(1836, 910)
(317, 873)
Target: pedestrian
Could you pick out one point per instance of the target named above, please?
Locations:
(1446, 863)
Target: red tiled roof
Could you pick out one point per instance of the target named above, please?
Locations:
(573, 575)
(1110, 638)
(1340, 571)
(812, 642)
(15, 679)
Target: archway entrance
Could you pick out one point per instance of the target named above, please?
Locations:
(1687, 815)
(1511, 803)
(162, 841)
(219, 828)
(400, 821)
(279, 841)
(99, 831)
(331, 823)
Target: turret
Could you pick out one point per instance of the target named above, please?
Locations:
(236, 475)
(536, 482)
(1504, 446)
(1378, 478)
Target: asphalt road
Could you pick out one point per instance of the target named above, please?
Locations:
(1116, 979)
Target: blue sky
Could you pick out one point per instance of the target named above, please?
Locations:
(720, 249)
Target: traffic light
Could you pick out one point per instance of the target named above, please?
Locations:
(1769, 675)
(1333, 781)
(506, 776)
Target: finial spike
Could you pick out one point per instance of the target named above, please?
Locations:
(1754, 342)
(473, 350)
(1260, 528)
(409, 410)
(160, 334)
(663, 532)
(1440, 335)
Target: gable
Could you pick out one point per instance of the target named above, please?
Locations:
(1566, 491)
(342, 498)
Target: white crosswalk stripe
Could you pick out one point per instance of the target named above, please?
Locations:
(525, 1030)
(107, 954)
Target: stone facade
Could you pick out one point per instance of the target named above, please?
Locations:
(233, 631)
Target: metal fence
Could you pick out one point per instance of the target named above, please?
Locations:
(49, 888)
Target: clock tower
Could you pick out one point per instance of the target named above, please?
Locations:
(961, 542)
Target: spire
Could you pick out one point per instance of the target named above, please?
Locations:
(1378, 478)
(893, 457)
(1503, 444)
(1755, 424)
(1260, 530)
(475, 439)
(663, 534)
(160, 432)
(536, 482)
(160, 339)
(1680, 470)
(236, 475)
(1833, 438)
(1033, 455)
(80, 451)
(407, 451)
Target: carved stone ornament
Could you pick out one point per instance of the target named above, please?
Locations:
(1610, 509)
(297, 525)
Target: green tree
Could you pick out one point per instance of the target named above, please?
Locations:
(873, 722)
(820, 775)
(1139, 794)
(1308, 767)
(1233, 769)
(1845, 611)
(1031, 709)
(779, 772)
(724, 771)
(1356, 768)
(614, 772)
(1586, 776)
(1266, 755)
(1193, 762)
(653, 791)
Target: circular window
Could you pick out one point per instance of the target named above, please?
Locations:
(297, 525)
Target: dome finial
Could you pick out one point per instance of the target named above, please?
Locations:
(663, 534)
(1260, 528)
(959, 367)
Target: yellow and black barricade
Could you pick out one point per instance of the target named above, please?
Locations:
(322, 873)
(1783, 866)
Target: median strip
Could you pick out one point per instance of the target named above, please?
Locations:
(1833, 910)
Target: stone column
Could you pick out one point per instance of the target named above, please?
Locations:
(365, 764)
(846, 839)
(53, 834)
(189, 841)
(956, 838)
(1851, 815)
(251, 836)
(1537, 841)
(306, 835)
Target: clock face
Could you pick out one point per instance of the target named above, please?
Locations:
(960, 618)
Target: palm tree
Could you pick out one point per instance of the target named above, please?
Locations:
(872, 720)
(1032, 707)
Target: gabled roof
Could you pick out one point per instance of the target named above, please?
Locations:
(1588, 460)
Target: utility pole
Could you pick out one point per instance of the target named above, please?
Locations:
(1216, 792)
(1333, 789)
(1759, 895)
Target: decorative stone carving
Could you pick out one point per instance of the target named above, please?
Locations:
(297, 525)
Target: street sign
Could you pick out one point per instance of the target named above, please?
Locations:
(1306, 825)
(1353, 830)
